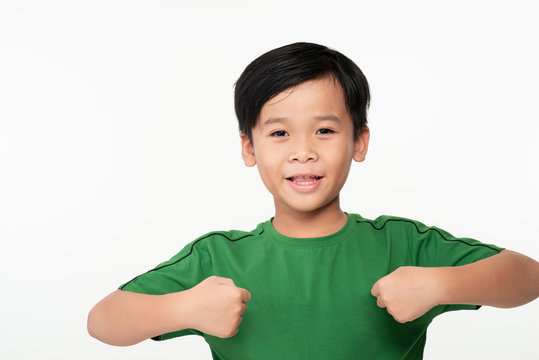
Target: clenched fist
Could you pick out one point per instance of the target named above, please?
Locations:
(218, 306)
(408, 292)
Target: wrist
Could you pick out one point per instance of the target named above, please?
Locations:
(180, 309)
(444, 283)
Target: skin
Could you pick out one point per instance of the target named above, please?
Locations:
(299, 144)
(214, 306)
(305, 143)
(302, 142)
(505, 280)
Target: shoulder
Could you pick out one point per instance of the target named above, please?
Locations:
(396, 227)
(222, 238)
(390, 223)
(208, 245)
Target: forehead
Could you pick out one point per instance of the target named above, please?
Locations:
(317, 99)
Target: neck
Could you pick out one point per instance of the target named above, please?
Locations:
(308, 224)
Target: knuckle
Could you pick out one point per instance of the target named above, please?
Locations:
(401, 319)
(230, 294)
(237, 295)
(228, 332)
(238, 321)
(238, 310)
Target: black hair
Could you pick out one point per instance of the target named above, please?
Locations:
(291, 65)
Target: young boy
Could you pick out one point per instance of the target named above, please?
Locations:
(313, 282)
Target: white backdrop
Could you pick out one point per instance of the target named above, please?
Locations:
(119, 145)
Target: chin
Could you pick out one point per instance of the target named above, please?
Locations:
(306, 207)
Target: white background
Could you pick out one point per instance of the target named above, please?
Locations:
(119, 145)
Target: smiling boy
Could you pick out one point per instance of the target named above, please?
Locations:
(303, 147)
(312, 282)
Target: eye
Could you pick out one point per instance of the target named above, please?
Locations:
(278, 133)
(326, 131)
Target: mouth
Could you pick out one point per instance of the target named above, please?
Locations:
(304, 180)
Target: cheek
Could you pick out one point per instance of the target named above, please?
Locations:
(340, 159)
(340, 152)
(269, 167)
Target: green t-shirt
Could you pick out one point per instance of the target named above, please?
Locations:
(311, 297)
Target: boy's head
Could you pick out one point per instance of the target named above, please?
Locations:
(302, 113)
(291, 65)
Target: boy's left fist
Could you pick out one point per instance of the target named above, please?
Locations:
(408, 292)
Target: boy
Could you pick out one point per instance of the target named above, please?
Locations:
(313, 282)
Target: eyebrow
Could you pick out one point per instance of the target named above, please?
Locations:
(285, 120)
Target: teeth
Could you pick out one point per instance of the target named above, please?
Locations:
(300, 180)
(304, 182)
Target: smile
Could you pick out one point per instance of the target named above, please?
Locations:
(305, 184)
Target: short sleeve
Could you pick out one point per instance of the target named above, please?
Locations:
(435, 247)
(183, 271)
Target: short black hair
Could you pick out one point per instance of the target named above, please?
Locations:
(291, 65)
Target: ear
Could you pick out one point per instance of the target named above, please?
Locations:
(361, 144)
(247, 150)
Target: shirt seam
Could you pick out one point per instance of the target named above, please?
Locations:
(190, 252)
(424, 232)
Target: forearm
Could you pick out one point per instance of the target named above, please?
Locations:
(508, 279)
(126, 318)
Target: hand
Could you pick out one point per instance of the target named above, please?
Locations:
(408, 292)
(218, 306)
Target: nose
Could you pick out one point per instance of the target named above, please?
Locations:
(303, 152)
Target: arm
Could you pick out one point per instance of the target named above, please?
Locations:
(507, 279)
(126, 318)
(214, 306)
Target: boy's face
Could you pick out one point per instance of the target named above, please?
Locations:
(305, 130)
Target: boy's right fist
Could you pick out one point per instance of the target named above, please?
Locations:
(218, 306)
